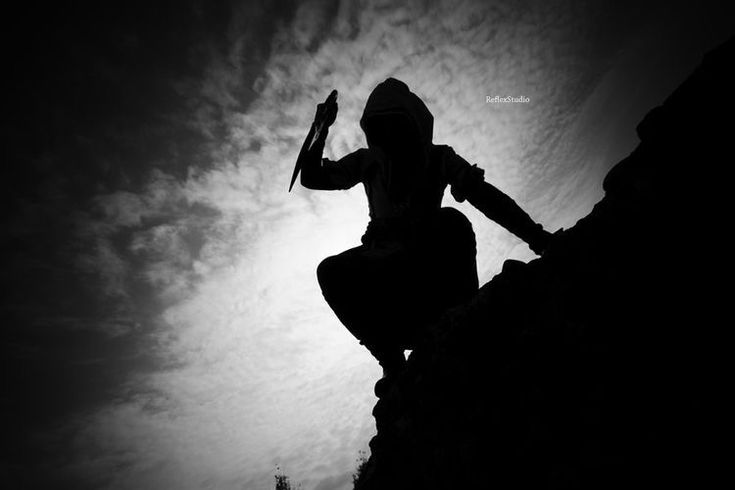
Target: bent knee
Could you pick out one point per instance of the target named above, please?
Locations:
(455, 220)
(454, 216)
(326, 270)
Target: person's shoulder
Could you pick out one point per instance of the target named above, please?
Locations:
(445, 155)
(370, 155)
(363, 161)
(441, 149)
(357, 157)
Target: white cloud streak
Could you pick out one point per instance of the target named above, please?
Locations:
(260, 371)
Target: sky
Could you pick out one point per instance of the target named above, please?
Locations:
(162, 325)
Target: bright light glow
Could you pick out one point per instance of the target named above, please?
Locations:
(258, 369)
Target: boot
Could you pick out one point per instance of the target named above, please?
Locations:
(392, 360)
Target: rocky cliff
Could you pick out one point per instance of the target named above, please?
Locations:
(599, 364)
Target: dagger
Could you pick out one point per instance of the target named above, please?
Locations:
(315, 131)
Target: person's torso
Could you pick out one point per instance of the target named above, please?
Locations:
(400, 218)
(424, 197)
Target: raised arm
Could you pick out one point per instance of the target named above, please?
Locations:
(321, 173)
(468, 182)
(324, 174)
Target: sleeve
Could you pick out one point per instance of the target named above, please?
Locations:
(462, 176)
(324, 174)
(468, 183)
(345, 172)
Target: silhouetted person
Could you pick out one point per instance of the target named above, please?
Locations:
(416, 258)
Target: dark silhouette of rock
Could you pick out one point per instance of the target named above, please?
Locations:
(598, 365)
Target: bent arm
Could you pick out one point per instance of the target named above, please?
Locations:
(323, 174)
(468, 183)
(502, 209)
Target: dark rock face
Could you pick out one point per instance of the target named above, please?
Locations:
(597, 365)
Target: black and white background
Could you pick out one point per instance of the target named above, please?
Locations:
(162, 326)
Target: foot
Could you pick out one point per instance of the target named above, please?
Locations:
(392, 364)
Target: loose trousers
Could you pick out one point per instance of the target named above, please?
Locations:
(387, 290)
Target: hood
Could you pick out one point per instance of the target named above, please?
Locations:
(393, 96)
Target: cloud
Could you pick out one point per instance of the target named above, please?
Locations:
(257, 349)
(335, 482)
(251, 367)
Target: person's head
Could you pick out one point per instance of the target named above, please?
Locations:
(395, 117)
(394, 133)
(398, 122)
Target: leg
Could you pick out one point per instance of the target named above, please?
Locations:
(447, 268)
(341, 278)
(363, 287)
(455, 240)
(384, 296)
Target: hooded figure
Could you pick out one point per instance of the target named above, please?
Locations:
(416, 258)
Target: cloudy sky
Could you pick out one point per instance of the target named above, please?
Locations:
(162, 326)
